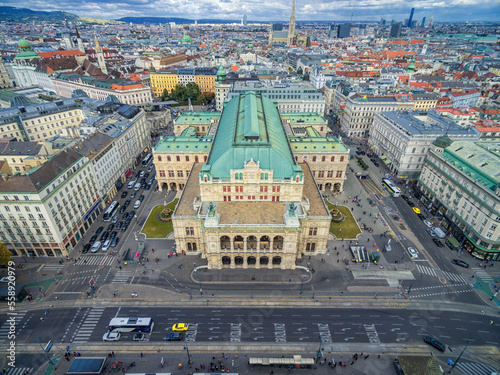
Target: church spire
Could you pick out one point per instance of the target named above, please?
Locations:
(291, 28)
(100, 56)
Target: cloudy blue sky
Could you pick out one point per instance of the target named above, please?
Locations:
(274, 10)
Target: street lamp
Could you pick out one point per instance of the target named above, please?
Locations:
(303, 278)
(199, 280)
(319, 353)
(460, 356)
(187, 349)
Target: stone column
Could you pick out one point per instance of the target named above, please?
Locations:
(245, 262)
(233, 265)
(245, 245)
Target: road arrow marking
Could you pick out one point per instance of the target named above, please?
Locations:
(348, 338)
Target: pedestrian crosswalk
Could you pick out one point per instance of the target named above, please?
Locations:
(473, 368)
(482, 274)
(96, 260)
(19, 370)
(121, 277)
(88, 325)
(433, 272)
(53, 267)
(5, 328)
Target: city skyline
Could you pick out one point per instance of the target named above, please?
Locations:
(259, 11)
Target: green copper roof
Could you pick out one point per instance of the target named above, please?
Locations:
(197, 118)
(478, 160)
(187, 141)
(250, 129)
(314, 142)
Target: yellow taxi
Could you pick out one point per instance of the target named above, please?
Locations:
(178, 327)
(417, 211)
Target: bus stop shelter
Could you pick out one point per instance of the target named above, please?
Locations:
(90, 366)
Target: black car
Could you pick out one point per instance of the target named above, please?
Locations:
(119, 225)
(131, 214)
(141, 198)
(376, 164)
(127, 203)
(174, 336)
(99, 230)
(86, 248)
(115, 241)
(122, 209)
(146, 175)
(125, 216)
(124, 194)
(113, 235)
(143, 186)
(124, 228)
(93, 239)
(437, 242)
(143, 180)
(104, 236)
(405, 197)
(111, 227)
(148, 186)
(410, 203)
(421, 217)
(133, 194)
(435, 343)
(460, 263)
(127, 222)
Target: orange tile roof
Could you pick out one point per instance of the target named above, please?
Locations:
(52, 54)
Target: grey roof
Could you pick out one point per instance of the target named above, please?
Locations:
(19, 148)
(412, 123)
(94, 143)
(426, 96)
(42, 176)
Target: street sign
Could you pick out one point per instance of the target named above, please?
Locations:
(91, 282)
(48, 346)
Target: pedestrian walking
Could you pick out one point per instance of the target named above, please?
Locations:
(142, 355)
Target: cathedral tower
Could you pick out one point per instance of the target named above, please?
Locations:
(291, 28)
(79, 42)
(100, 56)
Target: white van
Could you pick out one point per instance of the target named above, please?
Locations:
(137, 204)
(106, 245)
(137, 186)
(439, 232)
(131, 184)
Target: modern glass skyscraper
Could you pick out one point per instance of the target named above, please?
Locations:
(410, 20)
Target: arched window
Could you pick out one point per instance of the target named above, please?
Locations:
(169, 158)
(266, 176)
(205, 158)
(187, 158)
(159, 157)
(314, 158)
(262, 176)
(323, 158)
(241, 176)
(413, 151)
(341, 158)
(333, 158)
(196, 159)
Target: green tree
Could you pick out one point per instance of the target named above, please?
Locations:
(5, 255)
(192, 91)
(179, 93)
(164, 95)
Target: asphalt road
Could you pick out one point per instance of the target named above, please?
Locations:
(251, 325)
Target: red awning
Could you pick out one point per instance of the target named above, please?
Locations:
(128, 173)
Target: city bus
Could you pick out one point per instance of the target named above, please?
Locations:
(147, 159)
(110, 211)
(391, 188)
(131, 325)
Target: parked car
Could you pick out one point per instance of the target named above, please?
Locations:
(410, 203)
(133, 194)
(151, 167)
(99, 230)
(111, 227)
(127, 202)
(141, 198)
(113, 235)
(131, 214)
(124, 228)
(427, 223)
(148, 186)
(437, 242)
(124, 194)
(122, 209)
(460, 263)
(86, 248)
(435, 343)
(119, 225)
(93, 239)
(405, 197)
(413, 253)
